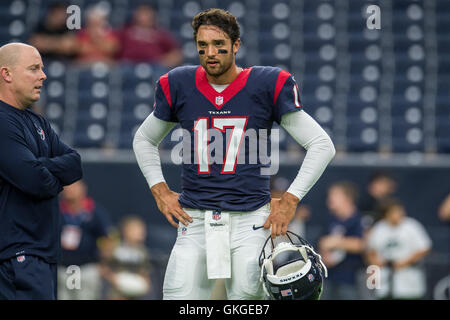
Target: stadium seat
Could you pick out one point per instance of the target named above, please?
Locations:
(271, 36)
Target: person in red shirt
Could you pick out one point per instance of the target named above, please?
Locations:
(144, 41)
(85, 227)
(97, 41)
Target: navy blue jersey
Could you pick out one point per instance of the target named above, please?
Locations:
(346, 269)
(253, 101)
(80, 231)
(34, 166)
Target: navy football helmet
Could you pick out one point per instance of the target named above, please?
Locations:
(292, 270)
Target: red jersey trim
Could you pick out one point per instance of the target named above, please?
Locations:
(164, 82)
(219, 99)
(282, 77)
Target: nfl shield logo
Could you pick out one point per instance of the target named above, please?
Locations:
(21, 258)
(310, 277)
(219, 100)
(216, 215)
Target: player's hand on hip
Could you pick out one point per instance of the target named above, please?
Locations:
(282, 211)
(168, 204)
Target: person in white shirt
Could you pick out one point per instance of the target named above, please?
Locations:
(398, 244)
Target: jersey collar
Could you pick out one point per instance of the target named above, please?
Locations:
(219, 99)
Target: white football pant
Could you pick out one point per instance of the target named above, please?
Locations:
(186, 275)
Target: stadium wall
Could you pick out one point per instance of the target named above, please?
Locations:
(121, 188)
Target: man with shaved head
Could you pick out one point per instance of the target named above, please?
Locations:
(34, 166)
(22, 75)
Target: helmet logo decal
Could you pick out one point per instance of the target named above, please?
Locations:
(286, 293)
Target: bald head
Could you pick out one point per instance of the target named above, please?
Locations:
(10, 53)
(21, 74)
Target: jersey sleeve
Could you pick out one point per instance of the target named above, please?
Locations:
(286, 96)
(163, 107)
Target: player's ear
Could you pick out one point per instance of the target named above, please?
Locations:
(236, 45)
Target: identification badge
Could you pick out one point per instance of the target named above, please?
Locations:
(70, 237)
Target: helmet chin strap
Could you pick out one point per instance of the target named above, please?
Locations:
(303, 252)
(320, 260)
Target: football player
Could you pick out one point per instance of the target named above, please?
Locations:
(225, 208)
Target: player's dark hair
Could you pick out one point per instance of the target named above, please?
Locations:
(219, 18)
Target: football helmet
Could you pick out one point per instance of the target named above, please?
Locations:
(292, 270)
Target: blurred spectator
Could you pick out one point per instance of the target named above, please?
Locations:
(144, 41)
(381, 186)
(298, 224)
(52, 38)
(128, 268)
(398, 244)
(84, 223)
(341, 248)
(444, 209)
(97, 41)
